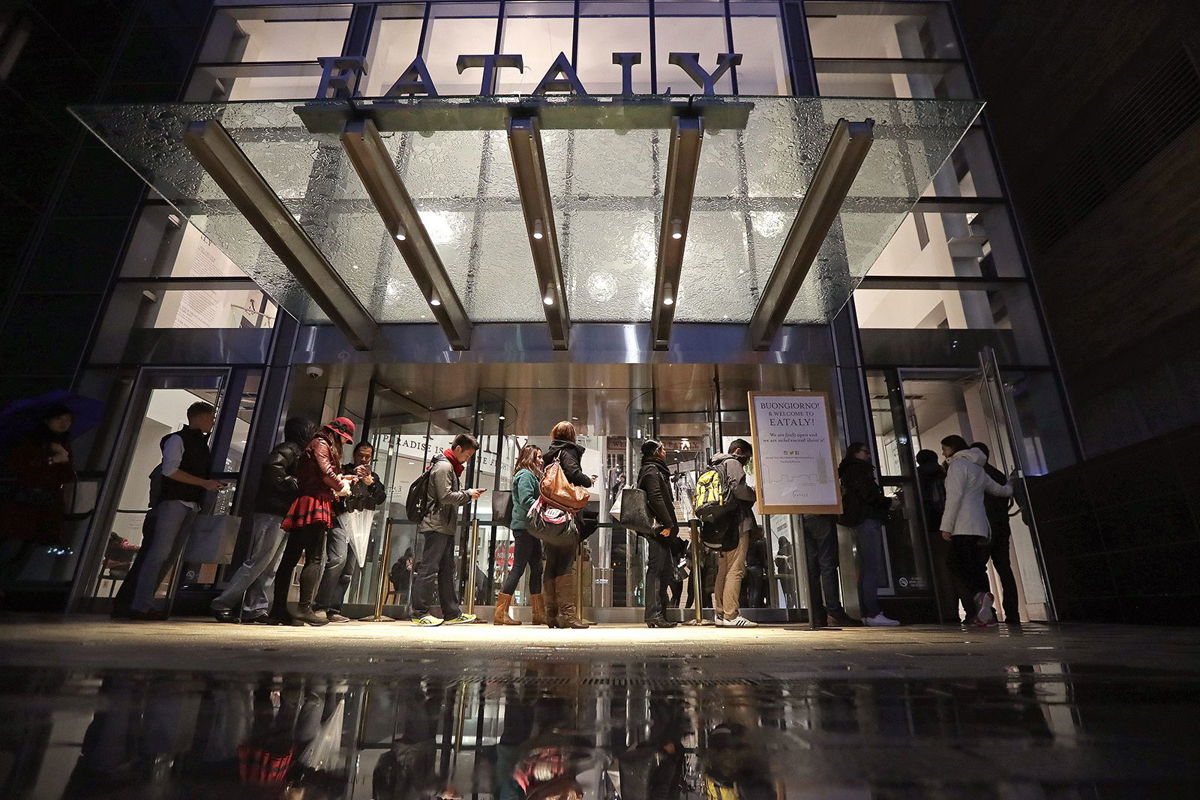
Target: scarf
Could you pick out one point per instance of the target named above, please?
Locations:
(458, 468)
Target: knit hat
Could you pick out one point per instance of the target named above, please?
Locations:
(343, 427)
(650, 447)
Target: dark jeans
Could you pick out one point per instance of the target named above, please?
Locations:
(339, 568)
(659, 571)
(560, 559)
(311, 542)
(528, 553)
(869, 535)
(968, 560)
(436, 569)
(821, 546)
(1002, 561)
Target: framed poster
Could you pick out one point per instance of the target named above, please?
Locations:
(794, 459)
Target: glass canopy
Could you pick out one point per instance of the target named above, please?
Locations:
(606, 179)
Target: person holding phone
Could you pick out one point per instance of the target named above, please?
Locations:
(655, 480)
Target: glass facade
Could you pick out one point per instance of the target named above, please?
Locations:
(196, 311)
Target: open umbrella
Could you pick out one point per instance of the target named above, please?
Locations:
(21, 417)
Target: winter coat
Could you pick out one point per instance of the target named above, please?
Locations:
(279, 486)
(862, 496)
(34, 508)
(446, 495)
(525, 490)
(569, 455)
(997, 507)
(362, 497)
(655, 480)
(733, 473)
(933, 493)
(319, 474)
(966, 484)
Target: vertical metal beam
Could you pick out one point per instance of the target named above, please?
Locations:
(529, 163)
(844, 155)
(378, 173)
(229, 167)
(687, 136)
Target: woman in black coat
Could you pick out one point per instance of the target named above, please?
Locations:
(655, 480)
(558, 577)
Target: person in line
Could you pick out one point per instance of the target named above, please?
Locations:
(865, 508)
(558, 580)
(821, 552)
(732, 564)
(527, 475)
(35, 512)
(965, 522)
(249, 590)
(438, 530)
(655, 480)
(320, 480)
(997, 513)
(185, 479)
(367, 493)
(931, 482)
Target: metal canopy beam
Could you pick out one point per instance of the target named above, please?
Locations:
(229, 167)
(844, 155)
(687, 136)
(375, 168)
(529, 163)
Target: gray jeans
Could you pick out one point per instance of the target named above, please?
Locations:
(250, 587)
(172, 526)
(339, 565)
(868, 536)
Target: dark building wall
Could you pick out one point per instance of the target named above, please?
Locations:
(68, 202)
(1095, 108)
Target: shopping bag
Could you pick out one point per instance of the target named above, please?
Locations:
(552, 525)
(633, 512)
(502, 507)
(212, 539)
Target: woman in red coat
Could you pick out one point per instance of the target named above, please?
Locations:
(311, 515)
(35, 510)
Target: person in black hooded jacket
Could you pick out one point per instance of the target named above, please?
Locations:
(865, 508)
(249, 590)
(558, 578)
(655, 480)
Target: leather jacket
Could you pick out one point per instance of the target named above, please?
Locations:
(320, 473)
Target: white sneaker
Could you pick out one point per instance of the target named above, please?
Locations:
(429, 621)
(987, 614)
(740, 622)
(718, 620)
(880, 621)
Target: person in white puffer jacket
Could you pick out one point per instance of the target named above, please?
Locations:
(965, 523)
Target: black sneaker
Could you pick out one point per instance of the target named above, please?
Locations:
(840, 619)
(261, 618)
(224, 615)
(334, 616)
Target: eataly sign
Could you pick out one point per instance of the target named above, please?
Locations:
(340, 74)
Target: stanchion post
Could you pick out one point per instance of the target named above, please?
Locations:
(579, 578)
(697, 582)
(473, 550)
(385, 556)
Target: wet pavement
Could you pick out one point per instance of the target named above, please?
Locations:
(93, 708)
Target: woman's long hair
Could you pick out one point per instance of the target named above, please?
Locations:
(563, 431)
(527, 459)
(956, 443)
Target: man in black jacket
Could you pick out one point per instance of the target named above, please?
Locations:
(367, 493)
(249, 590)
(865, 508)
(997, 514)
(655, 480)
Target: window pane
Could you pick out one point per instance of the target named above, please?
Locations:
(255, 82)
(281, 34)
(758, 36)
(689, 28)
(975, 245)
(538, 39)
(880, 30)
(970, 171)
(165, 246)
(627, 31)
(393, 46)
(459, 29)
(875, 79)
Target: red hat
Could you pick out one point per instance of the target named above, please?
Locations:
(343, 427)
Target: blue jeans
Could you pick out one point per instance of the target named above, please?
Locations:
(172, 526)
(869, 537)
(250, 587)
(339, 567)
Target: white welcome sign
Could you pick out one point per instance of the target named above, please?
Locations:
(794, 459)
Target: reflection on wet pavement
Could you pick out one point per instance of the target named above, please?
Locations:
(539, 730)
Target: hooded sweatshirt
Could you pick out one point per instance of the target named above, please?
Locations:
(966, 485)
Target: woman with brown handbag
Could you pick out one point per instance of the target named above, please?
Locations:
(558, 578)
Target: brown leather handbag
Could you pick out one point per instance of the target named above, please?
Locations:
(559, 492)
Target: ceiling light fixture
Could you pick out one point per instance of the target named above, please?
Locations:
(401, 236)
(433, 301)
(676, 229)
(537, 229)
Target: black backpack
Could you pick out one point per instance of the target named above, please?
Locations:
(720, 535)
(417, 502)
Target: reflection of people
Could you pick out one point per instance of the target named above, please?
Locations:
(654, 479)
(185, 479)
(367, 493)
(865, 508)
(401, 577)
(408, 769)
(527, 475)
(783, 571)
(732, 564)
(1000, 552)
(249, 589)
(754, 585)
(35, 510)
(652, 769)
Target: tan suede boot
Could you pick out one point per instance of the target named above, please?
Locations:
(502, 605)
(567, 614)
(539, 609)
(550, 599)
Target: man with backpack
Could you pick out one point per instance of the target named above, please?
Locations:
(434, 500)
(737, 523)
